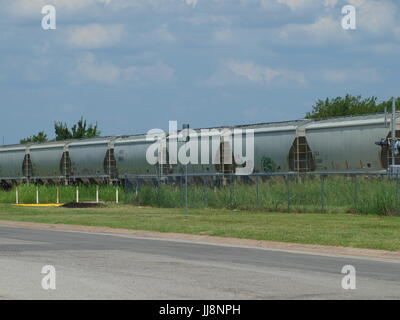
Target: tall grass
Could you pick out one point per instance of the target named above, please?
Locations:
(365, 195)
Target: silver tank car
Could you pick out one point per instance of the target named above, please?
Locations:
(337, 144)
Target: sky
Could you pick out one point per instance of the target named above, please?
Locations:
(134, 65)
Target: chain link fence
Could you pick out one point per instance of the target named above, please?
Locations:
(352, 192)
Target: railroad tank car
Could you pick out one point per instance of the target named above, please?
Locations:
(206, 145)
(45, 160)
(348, 144)
(336, 144)
(272, 145)
(12, 162)
(130, 155)
(87, 158)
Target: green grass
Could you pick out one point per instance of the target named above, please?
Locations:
(360, 231)
(364, 195)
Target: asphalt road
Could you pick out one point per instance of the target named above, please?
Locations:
(103, 266)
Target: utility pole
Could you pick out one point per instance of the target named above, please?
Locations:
(186, 139)
(393, 125)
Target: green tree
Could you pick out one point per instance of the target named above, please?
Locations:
(40, 137)
(79, 130)
(348, 106)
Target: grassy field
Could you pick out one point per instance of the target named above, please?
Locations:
(360, 231)
(337, 194)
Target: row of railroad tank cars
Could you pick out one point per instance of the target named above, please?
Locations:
(336, 144)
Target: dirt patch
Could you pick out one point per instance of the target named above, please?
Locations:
(82, 205)
(310, 248)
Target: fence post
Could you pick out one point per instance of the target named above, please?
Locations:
(116, 195)
(322, 193)
(97, 194)
(257, 192)
(180, 190)
(397, 189)
(288, 192)
(16, 195)
(77, 194)
(128, 189)
(57, 195)
(205, 193)
(123, 184)
(186, 190)
(224, 180)
(37, 195)
(158, 192)
(137, 192)
(355, 195)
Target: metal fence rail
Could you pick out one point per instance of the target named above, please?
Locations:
(349, 191)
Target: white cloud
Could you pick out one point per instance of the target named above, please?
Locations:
(88, 69)
(352, 75)
(247, 71)
(307, 4)
(33, 7)
(191, 2)
(376, 17)
(298, 4)
(95, 36)
(24, 8)
(330, 3)
(200, 18)
(325, 29)
(30, 7)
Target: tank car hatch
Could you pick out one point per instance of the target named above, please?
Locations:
(110, 164)
(27, 166)
(301, 157)
(226, 161)
(65, 165)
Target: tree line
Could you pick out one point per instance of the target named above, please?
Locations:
(348, 105)
(62, 132)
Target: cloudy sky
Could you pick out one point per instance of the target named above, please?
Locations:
(132, 65)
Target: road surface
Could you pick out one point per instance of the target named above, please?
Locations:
(104, 266)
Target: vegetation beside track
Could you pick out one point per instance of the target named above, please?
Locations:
(332, 194)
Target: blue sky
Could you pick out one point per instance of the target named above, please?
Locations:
(133, 65)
